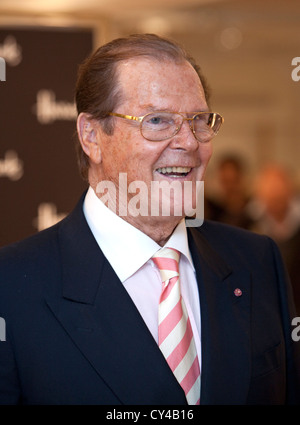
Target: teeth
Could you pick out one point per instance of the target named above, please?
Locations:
(168, 170)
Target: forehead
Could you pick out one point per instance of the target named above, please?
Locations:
(163, 84)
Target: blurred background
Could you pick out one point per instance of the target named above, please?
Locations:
(249, 51)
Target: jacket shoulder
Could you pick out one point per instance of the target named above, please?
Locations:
(225, 233)
(236, 245)
(29, 249)
(40, 245)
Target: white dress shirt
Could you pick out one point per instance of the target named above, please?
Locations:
(129, 252)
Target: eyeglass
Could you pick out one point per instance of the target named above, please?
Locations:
(162, 125)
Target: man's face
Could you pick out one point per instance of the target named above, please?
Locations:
(149, 86)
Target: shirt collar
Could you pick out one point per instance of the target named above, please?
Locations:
(126, 247)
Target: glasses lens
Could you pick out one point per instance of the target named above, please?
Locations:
(160, 126)
(206, 126)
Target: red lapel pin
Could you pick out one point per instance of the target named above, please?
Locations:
(237, 292)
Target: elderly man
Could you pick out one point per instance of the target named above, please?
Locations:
(122, 303)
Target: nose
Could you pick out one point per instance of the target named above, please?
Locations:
(184, 138)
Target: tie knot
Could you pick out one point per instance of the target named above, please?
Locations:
(167, 261)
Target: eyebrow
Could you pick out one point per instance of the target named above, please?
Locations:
(152, 108)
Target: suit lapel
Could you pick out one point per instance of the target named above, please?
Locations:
(225, 324)
(104, 324)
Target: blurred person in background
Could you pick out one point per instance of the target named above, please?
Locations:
(232, 196)
(275, 210)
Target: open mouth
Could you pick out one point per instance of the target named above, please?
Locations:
(174, 171)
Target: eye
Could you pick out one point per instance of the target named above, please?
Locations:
(155, 120)
(159, 120)
(202, 121)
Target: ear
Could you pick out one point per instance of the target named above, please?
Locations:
(88, 134)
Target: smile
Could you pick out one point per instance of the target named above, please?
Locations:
(174, 171)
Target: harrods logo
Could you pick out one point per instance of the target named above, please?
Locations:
(48, 109)
(11, 166)
(47, 216)
(11, 51)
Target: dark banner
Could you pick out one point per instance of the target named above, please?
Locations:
(39, 178)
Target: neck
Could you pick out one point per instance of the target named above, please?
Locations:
(158, 228)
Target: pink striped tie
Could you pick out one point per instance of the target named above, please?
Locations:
(175, 335)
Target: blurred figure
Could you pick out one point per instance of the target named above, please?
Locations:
(232, 198)
(276, 212)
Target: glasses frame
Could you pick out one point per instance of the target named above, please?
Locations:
(184, 118)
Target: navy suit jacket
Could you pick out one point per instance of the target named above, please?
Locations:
(74, 336)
